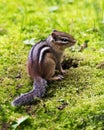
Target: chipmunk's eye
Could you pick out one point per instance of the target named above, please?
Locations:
(64, 39)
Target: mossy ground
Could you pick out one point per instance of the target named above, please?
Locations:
(77, 102)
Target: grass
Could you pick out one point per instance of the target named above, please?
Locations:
(82, 90)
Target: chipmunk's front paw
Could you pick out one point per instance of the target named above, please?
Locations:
(59, 77)
(63, 72)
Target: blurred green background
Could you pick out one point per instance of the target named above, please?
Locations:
(22, 24)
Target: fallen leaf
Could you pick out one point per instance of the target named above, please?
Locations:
(19, 121)
(62, 106)
(53, 8)
(29, 41)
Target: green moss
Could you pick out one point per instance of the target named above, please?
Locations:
(83, 87)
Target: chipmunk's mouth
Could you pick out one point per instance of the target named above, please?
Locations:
(74, 41)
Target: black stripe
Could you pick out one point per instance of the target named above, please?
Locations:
(45, 52)
(32, 59)
(32, 51)
(38, 54)
(39, 50)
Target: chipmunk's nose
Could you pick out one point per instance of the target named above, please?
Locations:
(74, 41)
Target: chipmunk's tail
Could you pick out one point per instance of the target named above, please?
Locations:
(32, 96)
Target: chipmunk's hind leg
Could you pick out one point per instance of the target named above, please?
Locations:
(49, 66)
(58, 77)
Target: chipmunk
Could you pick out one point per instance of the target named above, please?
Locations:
(44, 57)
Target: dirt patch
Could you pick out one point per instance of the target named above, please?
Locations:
(100, 65)
(70, 62)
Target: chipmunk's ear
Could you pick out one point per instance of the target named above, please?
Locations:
(54, 30)
(54, 36)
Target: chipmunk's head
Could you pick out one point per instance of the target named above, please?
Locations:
(62, 39)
